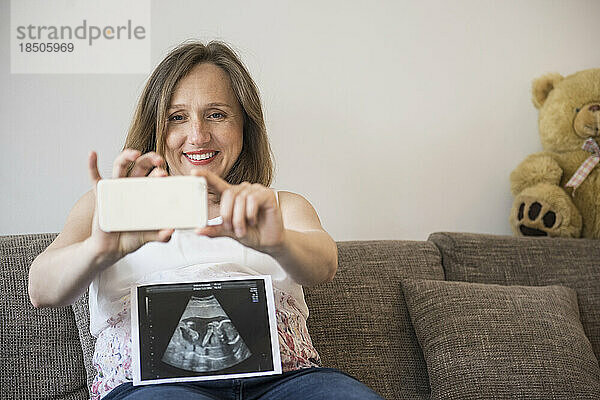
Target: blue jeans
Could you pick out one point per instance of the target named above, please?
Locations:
(305, 384)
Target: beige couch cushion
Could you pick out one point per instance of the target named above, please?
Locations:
(506, 260)
(360, 323)
(88, 342)
(41, 355)
(502, 342)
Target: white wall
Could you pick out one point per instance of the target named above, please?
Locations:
(394, 118)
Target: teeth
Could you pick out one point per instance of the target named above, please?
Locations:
(199, 157)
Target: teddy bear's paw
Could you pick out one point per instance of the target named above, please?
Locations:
(545, 210)
(531, 219)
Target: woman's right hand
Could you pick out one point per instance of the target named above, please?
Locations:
(114, 245)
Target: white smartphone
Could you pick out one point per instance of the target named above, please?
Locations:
(142, 204)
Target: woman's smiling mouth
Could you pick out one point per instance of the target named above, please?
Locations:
(202, 157)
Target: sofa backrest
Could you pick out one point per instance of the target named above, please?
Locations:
(507, 260)
(41, 354)
(360, 324)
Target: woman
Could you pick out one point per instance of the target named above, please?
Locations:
(199, 114)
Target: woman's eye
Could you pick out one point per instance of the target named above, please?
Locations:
(176, 118)
(216, 115)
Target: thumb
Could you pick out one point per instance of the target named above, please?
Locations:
(163, 235)
(93, 168)
(213, 231)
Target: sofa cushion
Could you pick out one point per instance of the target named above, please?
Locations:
(41, 354)
(359, 322)
(506, 260)
(501, 342)
(81, 310)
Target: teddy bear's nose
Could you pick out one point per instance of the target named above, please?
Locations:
(594, 107)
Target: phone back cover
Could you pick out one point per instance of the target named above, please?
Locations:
(138, 204)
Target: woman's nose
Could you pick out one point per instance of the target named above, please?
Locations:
(199, 133)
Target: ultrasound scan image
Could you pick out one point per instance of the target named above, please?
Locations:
(205, 339)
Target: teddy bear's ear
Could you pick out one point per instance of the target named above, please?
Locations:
(542, 86)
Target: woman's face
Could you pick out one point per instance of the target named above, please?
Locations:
(205, 123)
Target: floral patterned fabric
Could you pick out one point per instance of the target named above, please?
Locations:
(112, 355)
(295, 346)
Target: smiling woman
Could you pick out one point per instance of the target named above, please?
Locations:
(199, 114)
(229, 96)
(206, 126)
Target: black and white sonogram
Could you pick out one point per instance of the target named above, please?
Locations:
(205, 339)
(204, 330)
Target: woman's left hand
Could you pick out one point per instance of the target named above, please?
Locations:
(250, 213)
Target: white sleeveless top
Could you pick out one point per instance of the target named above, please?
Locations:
(186, 257)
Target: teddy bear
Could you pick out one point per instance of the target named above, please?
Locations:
(557, 191)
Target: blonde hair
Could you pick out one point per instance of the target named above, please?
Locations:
(149, 126)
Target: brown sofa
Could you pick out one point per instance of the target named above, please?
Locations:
(361, 322)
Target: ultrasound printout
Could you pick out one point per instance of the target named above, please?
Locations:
(210, 330)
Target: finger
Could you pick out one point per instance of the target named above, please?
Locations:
(93, 167)
(259, 197)
(213, 231)
(227, 204)
(239, 213)
(158, 172)
(145, 163)
(213, 180)
(226, 208)
(122, 161)
(163, 235)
